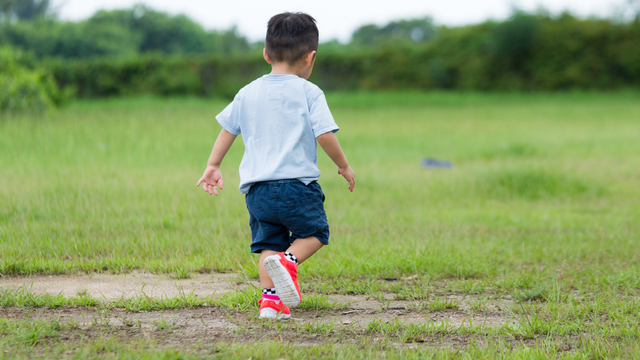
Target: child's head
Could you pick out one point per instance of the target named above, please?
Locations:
(291, 36)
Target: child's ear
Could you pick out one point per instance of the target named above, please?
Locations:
(266, 57)
(311, 56)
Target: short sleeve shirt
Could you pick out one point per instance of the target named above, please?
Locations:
(279, 118)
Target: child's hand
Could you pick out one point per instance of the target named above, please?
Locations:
(349, 175)
(212, 179)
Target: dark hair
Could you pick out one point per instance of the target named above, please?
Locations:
(290, 36)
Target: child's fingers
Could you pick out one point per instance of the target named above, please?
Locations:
(215, 190)
(200, 181)
(220, 183)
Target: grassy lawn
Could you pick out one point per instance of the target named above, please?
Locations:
(541, 204)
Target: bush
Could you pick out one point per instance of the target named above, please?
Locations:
(158, 75)
(528, 52)
(23, 88)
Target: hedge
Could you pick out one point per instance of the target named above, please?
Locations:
(525, 53)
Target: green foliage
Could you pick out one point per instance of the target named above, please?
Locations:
(23, 9)
(417, 30)
(526, 52)
(23, 88)
(120, 33)
(48, 38)
(159, 75)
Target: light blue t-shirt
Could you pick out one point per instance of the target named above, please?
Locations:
(279, 117)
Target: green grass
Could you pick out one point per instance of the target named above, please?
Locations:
(541, 204)
(28, 338)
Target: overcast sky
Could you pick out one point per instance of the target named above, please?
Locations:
(337, 19)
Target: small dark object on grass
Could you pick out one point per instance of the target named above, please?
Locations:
(390, 279)
(350, 312)
(429, 163)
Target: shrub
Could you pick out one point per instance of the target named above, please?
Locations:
(23, 88)
(528, 52)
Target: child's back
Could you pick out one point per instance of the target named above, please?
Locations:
(279, 117)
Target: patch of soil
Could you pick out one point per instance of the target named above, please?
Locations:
(109, 286)
(207, 326)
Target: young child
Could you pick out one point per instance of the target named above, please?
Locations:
(280, 117)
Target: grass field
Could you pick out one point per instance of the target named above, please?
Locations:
(541, 206)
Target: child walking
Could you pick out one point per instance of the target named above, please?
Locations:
(281, 115)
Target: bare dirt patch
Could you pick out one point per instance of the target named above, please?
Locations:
(109, 286)
(365, 308)
(204, 327)
(207, 326)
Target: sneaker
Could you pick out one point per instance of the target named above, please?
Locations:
(270, 310)
(284, 274)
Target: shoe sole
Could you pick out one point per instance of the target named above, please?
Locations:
(285, 287)
(272, 314)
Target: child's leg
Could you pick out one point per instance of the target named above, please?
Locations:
(303, 248)
(270, 305)
(282, 268)
(265, 280)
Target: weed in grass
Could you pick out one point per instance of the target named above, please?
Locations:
(162, 324)
(472, 287)
(410, 332)
(407, 292)
(379, 296)
(441, 303)
(535, 294)
(240, 300)
(319, 326)
(382, 327)
(479, 304)
(128, 322)
(147, 303)
(28, 332)
(22, 296)
(181, 274)
(102, 317)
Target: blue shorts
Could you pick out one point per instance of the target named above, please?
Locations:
(282, 211)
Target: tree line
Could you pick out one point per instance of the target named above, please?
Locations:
(116, 33)
(142, 51)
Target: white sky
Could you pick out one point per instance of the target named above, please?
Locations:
(337, 19)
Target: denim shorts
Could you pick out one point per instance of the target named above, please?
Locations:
(282, 211)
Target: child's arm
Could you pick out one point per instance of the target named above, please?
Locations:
(212, 178)
(331, 146)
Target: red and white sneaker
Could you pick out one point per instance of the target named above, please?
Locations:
(284, 274)
(270, 310)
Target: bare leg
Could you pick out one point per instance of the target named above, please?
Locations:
(265, 280)
(303, 248)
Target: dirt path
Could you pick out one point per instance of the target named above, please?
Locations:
(206, 326)
(205, 321)
(110, 287)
